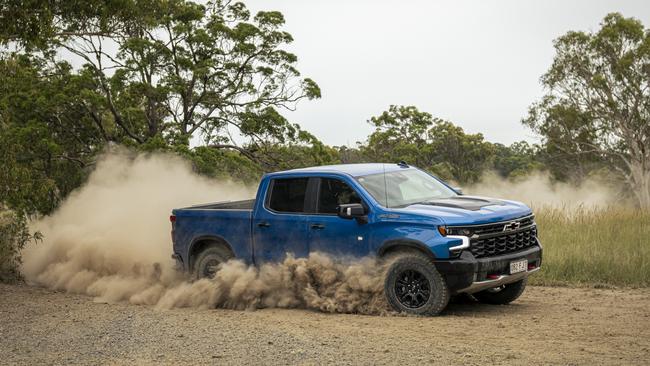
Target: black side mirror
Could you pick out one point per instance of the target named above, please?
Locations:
(351, 211)
(458, 190)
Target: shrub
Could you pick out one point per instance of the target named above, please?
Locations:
(13, 237)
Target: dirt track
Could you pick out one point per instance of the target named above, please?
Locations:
(546, 326)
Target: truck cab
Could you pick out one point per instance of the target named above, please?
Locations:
(438, 241)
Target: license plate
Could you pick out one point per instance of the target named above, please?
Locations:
(519, 266)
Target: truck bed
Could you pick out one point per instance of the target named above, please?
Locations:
(227, 205)
(228, 221)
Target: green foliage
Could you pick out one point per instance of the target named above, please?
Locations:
(13, 237)
(46, 137)
(594, 246)
(33, 22)
(597, 106)
(349, 155)
(155, 76)
(516, 160)
(224, 164)
(403, 133)
(170, 69)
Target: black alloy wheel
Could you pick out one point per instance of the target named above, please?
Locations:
(413, 285)
(412, 289)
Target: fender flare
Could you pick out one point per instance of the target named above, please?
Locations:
(205, 238)
(389, 245)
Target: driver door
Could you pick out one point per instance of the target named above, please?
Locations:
(330, 233)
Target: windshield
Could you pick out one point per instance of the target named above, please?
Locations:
(405, 187)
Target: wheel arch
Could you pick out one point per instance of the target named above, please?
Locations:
(396, 245)
(203, 242)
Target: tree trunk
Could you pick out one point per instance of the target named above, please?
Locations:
(640, 181)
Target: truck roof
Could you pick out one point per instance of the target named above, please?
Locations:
(355, 170)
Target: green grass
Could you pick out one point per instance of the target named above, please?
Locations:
(594, 247)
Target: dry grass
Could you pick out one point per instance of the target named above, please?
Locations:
(594, 246)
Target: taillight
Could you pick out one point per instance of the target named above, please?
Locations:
(172, 219)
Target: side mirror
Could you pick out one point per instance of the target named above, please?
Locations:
(458, 190)
(351, 211)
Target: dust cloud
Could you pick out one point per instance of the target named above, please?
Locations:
(318, 282)
(540, 191)
(111, 240)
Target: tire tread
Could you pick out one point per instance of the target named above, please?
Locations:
(416, 258)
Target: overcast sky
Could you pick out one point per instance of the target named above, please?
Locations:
(475, 63)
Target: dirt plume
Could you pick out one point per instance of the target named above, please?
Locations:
(318, 282)
(540, 191)
(110, 240)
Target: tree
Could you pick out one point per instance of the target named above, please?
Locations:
(47, 138)
(349, 155)
(159, 73)
(597, 102)
(405, 133)
(518, 159)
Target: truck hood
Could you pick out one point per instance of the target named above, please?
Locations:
(470, 210)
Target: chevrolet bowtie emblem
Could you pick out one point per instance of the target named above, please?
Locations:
(511, 226)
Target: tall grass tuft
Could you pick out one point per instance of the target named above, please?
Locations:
(594, 246)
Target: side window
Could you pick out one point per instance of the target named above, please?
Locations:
(288, 195)
(333, 193)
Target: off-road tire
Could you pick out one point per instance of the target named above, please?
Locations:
(211, 256)
(506, 295)
(401, 263)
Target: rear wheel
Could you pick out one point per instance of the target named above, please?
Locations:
(503, 294)
(208, 261)
(414, 286)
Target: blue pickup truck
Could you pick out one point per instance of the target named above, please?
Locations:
(439, 242)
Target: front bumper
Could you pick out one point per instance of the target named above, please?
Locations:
(467, 274)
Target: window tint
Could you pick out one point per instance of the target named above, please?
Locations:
(288, 195)
(333, 193)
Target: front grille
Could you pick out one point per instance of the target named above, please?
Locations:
(503, 244)
(493, 239)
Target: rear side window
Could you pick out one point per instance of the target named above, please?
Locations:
(288, 195)
(333, 193)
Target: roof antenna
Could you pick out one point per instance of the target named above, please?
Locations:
(402, 164)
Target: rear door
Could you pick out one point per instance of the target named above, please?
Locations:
(279, 225)
(327, 231)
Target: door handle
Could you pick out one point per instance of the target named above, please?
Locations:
(317, 226)
(264, 224)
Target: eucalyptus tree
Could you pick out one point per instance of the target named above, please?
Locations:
(597, 101)
(405, 133)
(167, 72)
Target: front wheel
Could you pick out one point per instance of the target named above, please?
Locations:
(501, 295)
(414, 286)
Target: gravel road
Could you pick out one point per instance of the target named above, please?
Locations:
(546, 326)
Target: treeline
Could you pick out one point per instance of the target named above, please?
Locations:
(210, 81)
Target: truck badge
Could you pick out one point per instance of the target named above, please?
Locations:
(511, 226)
